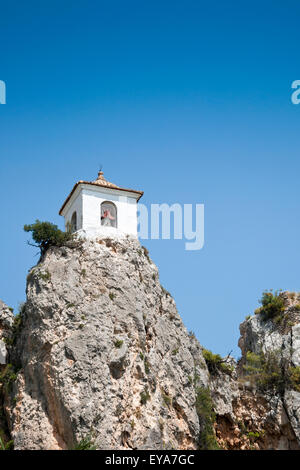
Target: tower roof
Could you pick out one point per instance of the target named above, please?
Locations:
(100, 181)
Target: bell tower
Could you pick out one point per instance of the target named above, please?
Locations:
(101, 208)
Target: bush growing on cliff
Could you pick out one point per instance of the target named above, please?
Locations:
(8, 376)
(86, 443)
(271, 372)
(294, 378)
(216, 363)
(272, 306)
(207, 418)
(266, 370)
(46, 234)
(6, 445)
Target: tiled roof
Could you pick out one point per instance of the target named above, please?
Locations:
(100, 181)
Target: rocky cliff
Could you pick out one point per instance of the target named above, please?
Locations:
(99, 356)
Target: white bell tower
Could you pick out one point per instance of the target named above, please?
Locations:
(100, 208)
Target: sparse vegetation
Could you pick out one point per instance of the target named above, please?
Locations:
(70, 305)
(254, 436)
(146, 253)
(266, 370)
(147, 366)
(8, 376)
(118, 343)
(111, 295)
(45, 276)
(86, 443)
(145, 396)
(132, 424)
(271, 372)
(294, 378)
(16, 326)
(215, 363)
(190, 379)
(46, 234)
(272, 306)
(207, 417)
(166, 398)
(6, 445)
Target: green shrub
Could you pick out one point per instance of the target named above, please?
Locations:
(272, 307)
(294, 378)
(207, 418)
(147, 366)
(216, 363)
(111, 295)
(119, 343)
(17, 324)
(266, 370)
(6, 445)
(86, 443)
(45, 276)
(253, 436)
(8, 376)
(272, 373)
(46, 234)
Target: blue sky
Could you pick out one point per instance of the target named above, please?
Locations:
(190, 102)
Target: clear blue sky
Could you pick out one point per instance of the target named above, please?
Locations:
(186, 100)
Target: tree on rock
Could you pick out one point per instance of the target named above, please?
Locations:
(46, 234)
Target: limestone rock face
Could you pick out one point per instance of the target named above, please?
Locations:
(248, 418)
(259, 335)
(99, 352)
(284, 341)
(102, 352)
(6, 322)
